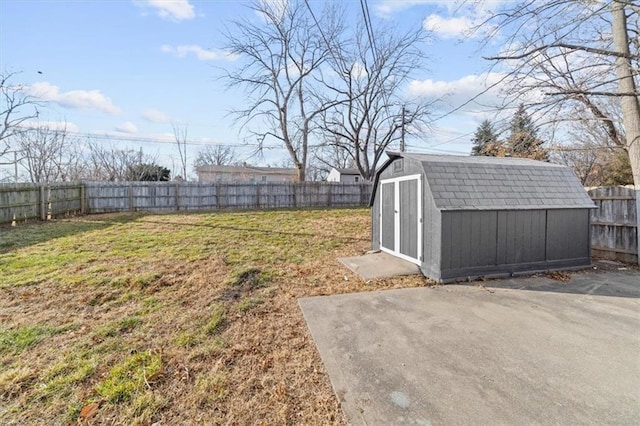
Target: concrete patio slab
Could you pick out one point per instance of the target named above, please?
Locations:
(518, 351)
(379, 265)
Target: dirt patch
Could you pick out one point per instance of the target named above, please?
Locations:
(246, 283)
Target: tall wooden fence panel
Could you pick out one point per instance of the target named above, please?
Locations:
(62, 199)
(19, 201)
(614, 224)
(25, 201)
(104, 197)
(34, 201)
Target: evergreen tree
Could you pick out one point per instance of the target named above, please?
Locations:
(523, 138)
(484, 139)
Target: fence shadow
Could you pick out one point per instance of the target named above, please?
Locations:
(623, 283)
(25, 235)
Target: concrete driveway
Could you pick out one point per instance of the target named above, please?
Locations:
(518, 351)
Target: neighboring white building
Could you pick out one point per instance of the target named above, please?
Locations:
(245, 174)
(344, 175)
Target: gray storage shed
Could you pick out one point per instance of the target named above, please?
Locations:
(468, 217)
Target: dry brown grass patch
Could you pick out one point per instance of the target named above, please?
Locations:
(181, 319)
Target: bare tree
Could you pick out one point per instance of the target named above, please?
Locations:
(219, 155)
(106, 162)
(282, 50)
(368, 80)
(332, 155)
(568, 56)
(46, 153)
(586, 161)
(180, 135)
(591, 156)
(16, 107)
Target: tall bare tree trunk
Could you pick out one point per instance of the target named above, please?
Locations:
(630, 104)
(627, 86)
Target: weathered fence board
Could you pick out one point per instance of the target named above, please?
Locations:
(104, 197)
(20, 202)
(614, 224)
(64, 199)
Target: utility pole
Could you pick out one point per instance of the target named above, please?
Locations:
(14, 162)
(402, 130)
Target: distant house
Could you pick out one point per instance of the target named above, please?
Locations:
(344, 175)
(245, 174)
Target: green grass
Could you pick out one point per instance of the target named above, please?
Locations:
(17, 340)
(216, 320)
(130, 376)
(250, 303)
(116, 328)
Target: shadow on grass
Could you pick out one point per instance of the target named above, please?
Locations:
(31, 233)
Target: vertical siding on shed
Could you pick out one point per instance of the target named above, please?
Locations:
(468, 239)
(566, 236)
(375, 221)
(521, 236)
(431, 234)
(476, 243)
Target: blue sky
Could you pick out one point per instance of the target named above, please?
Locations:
(130, 69)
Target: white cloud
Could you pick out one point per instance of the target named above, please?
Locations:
(127, 127)
(201, 53)
(385, 8)
(448, 27)
(174, 10)
(469, 86)
(76, 99)
(156, 116)
(478, 95)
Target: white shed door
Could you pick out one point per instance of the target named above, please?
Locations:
(401, 217)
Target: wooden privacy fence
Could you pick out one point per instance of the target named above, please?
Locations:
(614, 224)
(29, 201)
(40, 201)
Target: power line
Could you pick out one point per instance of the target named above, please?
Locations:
(140, 139)
(367, 23)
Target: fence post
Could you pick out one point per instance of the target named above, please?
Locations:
(131, 196)
(83, 199)
(43, 212)
(177, 196)
(295, 194)
(217, 195)
(258, 186)
(330, 196)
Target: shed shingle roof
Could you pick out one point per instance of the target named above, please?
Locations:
(490, 183)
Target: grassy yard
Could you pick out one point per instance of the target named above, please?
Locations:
(182, 319)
